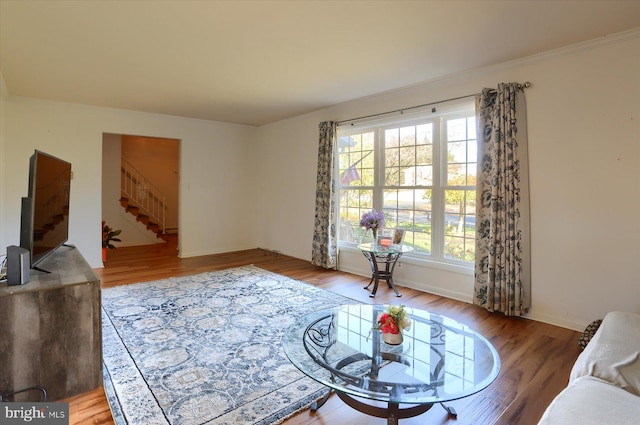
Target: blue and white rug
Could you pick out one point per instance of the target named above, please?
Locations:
(207, 349)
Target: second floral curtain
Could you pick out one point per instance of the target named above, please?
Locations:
(502, 269)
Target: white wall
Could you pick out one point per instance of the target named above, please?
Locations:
(214, 186)
(584, 148)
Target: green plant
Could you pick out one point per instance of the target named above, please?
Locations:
(108, 236)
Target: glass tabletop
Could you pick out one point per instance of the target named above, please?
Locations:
(439, 359)
(381, 249)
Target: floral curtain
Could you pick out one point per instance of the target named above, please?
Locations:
(502, 281)
(325, 242)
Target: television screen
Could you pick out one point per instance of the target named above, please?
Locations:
(49, 188)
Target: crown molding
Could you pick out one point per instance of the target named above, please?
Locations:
(446, 79)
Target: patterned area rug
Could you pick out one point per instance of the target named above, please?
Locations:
(207, 349)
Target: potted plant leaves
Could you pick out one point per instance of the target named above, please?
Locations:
(108, 236)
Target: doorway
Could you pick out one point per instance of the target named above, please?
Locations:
(140, 188)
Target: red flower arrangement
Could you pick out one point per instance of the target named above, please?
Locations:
(394, 320)
(387, 324)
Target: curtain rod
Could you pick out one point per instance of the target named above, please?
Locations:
(523, 86)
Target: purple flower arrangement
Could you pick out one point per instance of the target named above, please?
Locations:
(372, 220)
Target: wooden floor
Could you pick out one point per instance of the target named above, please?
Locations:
(536, 357)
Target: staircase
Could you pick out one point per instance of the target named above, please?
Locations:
(142, 198)
(143, 218)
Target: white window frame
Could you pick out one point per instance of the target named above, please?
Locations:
(439, 116)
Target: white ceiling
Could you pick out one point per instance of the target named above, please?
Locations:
(256, 62)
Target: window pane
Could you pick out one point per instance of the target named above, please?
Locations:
(461, 152)
(460, 249)
(392, 176)
(356, 198)
(392, 157)
(390, 218)
(408, 176)
(456, 175)
(406, 206)
(424, 134)
(392, 160)
(423, 199)
(424, 155)
(471, 127)
(420, 239)
(470, 226)
(408, 136)
(407, 155)
(457, 152)
(353, 203)
(391, 198)
(472, 147)
(470, 200)
(356, 160)
(392, 138)
(424, 175)
(472, 174)
(457, 129)
(366, 177)
(410, 209)
(460, 224)
(368, 141)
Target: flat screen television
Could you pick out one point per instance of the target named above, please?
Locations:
(45, 212)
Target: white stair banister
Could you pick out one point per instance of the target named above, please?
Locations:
(143, 193)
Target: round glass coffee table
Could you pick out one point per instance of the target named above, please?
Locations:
(439, 360)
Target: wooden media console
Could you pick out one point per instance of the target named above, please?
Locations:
(51, 330)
